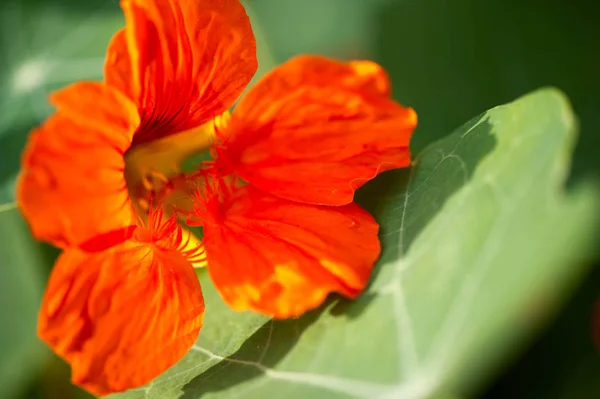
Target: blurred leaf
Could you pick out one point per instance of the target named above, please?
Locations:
(568, 342)
(45, 45)
(454, 59)
(480, 243)
(338, 28)
(22, 276)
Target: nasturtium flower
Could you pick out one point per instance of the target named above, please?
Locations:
(307, 134)
(123, 303)
(101, 180)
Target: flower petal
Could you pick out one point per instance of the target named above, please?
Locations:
(182, 62)
(99, 107)
(282, 258)
(72, 185)
(314, 130)
(123, 315)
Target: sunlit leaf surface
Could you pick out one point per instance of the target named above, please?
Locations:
(481, 242)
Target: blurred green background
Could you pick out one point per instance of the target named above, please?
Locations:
(450, 60)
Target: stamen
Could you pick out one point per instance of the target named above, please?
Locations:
(211, 194)
(165, 233)
(161, 195)
(193, 249)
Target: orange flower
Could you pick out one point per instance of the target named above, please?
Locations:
(310, 132)
(123, 303)
(100, 179)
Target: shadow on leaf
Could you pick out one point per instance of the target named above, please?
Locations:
(260, 352)
(404, 201)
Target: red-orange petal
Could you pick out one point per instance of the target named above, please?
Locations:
(282, 258)
(121, 316)
(314, 130)
(72, 185)
(182, 62)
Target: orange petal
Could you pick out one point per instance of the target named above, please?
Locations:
(182, 62)
(282, 258)
(99, 107)
(314, 130)
(117, 66)
(124, 315)
(72, 185)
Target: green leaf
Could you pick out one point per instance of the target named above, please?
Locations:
(481, 243)
(22, 278)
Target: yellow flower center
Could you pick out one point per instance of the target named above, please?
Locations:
(153, 172)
